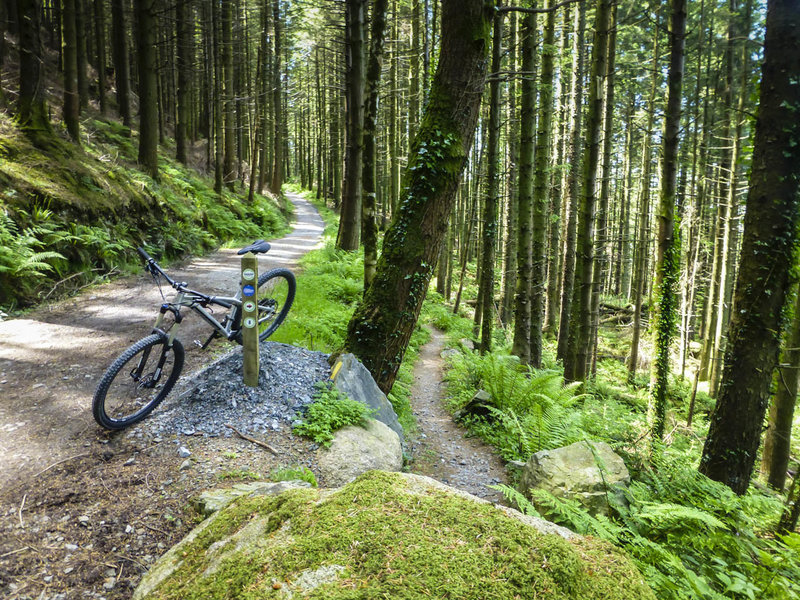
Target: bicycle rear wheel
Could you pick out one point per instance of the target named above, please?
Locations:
(276, 289)
(137, 382)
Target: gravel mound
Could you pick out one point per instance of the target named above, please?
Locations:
(216, 396)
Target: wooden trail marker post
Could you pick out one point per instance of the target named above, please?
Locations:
(250, 358)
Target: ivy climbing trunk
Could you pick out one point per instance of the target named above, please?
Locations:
(383, 323)
(667, 260)
(768, 252)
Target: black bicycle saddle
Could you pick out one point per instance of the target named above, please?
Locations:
(256, 247)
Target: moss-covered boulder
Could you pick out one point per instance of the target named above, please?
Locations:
(385, 535)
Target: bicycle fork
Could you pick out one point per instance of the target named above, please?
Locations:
(150, 381)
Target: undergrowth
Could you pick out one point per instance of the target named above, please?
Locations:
(692, 538)
(330, 411)
(66, 220)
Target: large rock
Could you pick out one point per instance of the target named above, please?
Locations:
(356, 450)
(587, 472)
(213, 500)
(352, 378)
(386, 535)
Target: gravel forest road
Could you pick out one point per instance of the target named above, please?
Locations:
(52, 358)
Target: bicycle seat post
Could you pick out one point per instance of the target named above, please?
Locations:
(250, 352)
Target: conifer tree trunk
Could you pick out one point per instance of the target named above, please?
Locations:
(540, 191)
(349, 234)
(576, 152)
(576, 356)
(31, 104)
(277, 95)
(146, 29)
(229, 113)
(644, 213)
(380, 329)
(510, 251)
(770, 233)
(601, 256)
(522, 299)
(369, 227)
(493, 189)
(100, 36)
(777, 447)
(72, 106)
(557, 204)
(119, 47)
(183, 25)
(81, 60)
(394, 149)
(667, 260)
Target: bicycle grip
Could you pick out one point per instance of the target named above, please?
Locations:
(143, 253)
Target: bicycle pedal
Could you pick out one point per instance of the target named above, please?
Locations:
(197, 343)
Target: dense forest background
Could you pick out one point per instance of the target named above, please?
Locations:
(605, 187)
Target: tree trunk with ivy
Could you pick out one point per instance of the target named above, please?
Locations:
(777, 446)
(768, 253)
(667, 260)
(383, 323)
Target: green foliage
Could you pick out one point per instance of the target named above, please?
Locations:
(691, 537)
(295, 473)
(529, 410)
(328, 289)
(330, 411)
(65, 219)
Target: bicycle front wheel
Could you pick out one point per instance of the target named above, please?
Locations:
(137, 382)
(276, 290)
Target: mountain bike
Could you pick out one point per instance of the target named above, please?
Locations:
(142, 376)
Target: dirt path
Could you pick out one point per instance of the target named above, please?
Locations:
(51, 360)
(440, 449)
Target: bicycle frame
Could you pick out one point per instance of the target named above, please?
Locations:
(189, 299)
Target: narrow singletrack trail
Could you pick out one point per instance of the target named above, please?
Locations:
(52, 359)
(440, 449)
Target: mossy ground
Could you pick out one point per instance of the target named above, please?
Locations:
(77, 212)
(394, 541)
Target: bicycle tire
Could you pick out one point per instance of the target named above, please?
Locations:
(122, 399)
(276, 290)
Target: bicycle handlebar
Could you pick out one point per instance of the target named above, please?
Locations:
(143, 253)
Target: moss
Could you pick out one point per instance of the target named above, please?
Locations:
(394, 538)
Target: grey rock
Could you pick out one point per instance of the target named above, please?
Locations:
(356, 450)
(184, 452)
(352, 378)
(589, 472)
